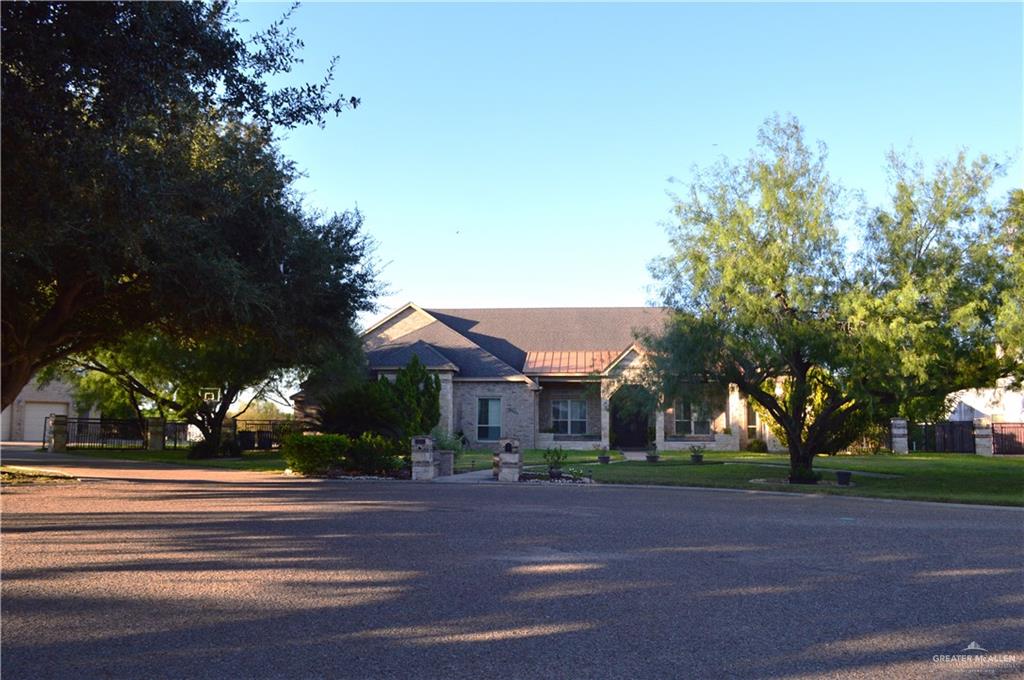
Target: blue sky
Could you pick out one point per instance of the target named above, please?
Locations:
(518, 155)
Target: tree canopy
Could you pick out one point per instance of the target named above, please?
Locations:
(142, 186)
(768, 300)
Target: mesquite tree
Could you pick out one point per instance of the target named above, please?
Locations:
(767, 298)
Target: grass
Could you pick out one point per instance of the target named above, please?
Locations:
(20, 475)
(478, 460)
(258, 461)
(922, 476)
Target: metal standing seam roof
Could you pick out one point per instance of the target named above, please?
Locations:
(541, 363)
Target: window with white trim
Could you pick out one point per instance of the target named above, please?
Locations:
(488, 419)
(569, 416)
(692, 418)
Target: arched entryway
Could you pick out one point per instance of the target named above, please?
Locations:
(631, 411)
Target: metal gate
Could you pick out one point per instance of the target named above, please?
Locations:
(1008, 439)
(951, 436)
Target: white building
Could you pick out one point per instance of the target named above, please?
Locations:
(25, 419)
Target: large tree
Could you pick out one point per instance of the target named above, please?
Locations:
(141, 183)
(768, 300)
(316, 278)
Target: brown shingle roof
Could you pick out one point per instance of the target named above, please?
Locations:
(511, 334)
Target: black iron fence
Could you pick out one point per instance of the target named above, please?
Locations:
(944, 437)
(102, 433)
(264, 434)
(1008, 439)
(113, 433)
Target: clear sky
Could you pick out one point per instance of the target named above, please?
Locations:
(518, 155)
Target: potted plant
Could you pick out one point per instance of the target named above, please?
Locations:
(602, 456)
(653, 456)
(697, 454)
(554, 458)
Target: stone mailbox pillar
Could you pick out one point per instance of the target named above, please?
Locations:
(58, 440)
(900, 441)
(423, 458)
(510, 460)
(156, 430)
(445, 463)
(983, 437)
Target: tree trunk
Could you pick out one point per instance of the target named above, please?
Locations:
(16, 375)
(801, 463)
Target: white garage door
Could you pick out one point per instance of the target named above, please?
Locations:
(36, 413)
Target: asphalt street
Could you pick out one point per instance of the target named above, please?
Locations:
(146, 571)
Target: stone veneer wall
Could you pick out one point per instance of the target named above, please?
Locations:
(518, 410)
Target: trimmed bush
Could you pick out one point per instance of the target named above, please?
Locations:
(757, 446)
(315, 454)
(373, 454)
(324, 454)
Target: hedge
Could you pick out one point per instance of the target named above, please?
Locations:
(330, 453)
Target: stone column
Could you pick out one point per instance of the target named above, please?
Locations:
(58, 441)
(447, 421)
(900, 441)
(510, 460)
(606, 419)
(156, 429)
(659, 429)
(983, 437)
(423, 458)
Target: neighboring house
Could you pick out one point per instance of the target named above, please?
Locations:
(549, 376)
(25, 419)
(999, 404)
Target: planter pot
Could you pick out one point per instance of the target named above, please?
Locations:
(653, 458)
(554, 473)
(696, 457)
(843, 477)
(604, 460)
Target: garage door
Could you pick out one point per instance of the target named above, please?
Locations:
(36, 413)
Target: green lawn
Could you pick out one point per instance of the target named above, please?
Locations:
(923, 476)
(260, 461)
(478, 460)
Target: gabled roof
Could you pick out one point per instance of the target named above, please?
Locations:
(471, 360)
(510, 334)
(503, 343)
(399, 354)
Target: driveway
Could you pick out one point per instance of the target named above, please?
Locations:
(159, 572)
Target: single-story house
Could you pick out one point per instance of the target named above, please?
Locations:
(25, 419)
(1003, 403)
(549, 376)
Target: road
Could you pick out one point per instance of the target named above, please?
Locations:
(148, 571)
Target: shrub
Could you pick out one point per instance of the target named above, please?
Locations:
(373, 454)
(757, 446)
(228, 448)
(555, 457)
(446, 442)
(323, 454)
(803, 475)
(315, 454)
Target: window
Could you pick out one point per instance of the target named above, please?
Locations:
(692, 418)
(488, 419)
(751, 421)
(569, 416)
